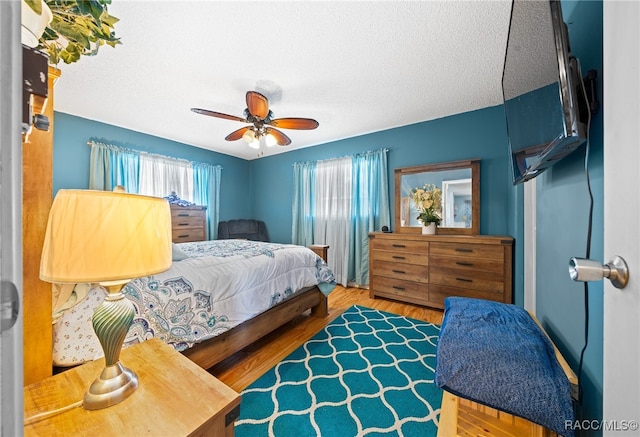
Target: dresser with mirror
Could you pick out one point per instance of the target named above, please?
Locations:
(425, 269)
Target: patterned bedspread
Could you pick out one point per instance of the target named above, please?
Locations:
(219, 284)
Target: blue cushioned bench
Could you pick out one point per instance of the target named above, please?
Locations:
(497, 358)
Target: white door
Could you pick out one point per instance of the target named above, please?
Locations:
(11, 405)
(621, 95)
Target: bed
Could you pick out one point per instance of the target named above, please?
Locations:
(218, 297)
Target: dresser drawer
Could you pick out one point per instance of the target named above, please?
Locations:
(485, 281)
(400, 245)
(438, 293)
(187, 222)
(402, 290)
(468, 263)
(407, 272)
(467, 250)
(181, 213)
(187, 235)
(400, 257)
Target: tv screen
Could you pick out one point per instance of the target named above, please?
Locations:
(541, 83)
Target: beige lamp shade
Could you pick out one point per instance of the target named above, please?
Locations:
(102, 236)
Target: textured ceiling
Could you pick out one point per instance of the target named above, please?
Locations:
(356, 67)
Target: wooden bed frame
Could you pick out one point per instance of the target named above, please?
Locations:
(211, 352)
(462, 417)
(216, 349)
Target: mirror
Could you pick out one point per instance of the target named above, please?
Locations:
(459, 184)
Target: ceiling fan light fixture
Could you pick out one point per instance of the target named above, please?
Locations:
(262, 123)
(270, 140)
(249, 136)
(255, 144)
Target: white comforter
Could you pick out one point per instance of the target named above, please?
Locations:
(219, 284)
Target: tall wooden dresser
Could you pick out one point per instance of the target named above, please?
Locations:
(188, 223)
(425, 269)
(37, 182)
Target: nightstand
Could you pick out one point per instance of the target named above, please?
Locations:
(320, 250)
(175, 398)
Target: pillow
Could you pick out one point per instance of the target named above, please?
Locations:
(495, 354)
(66, 296)
(74, 340)
(177, 254)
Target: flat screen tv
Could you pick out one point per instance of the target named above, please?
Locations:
(542, 88)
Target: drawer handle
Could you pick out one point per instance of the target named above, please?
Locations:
(183, 224)
(398, 288)
(398, 257)
(464, 280)
(399, 245)
(183, 236)
(184, 214)
(462, 263)
(462, 249)
(399, 271)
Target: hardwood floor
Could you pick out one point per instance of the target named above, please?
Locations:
(246, 366)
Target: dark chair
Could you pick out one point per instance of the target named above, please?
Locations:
(248, 229)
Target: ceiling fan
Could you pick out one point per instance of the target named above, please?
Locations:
(262, 122)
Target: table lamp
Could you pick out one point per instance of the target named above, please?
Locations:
(107, 238)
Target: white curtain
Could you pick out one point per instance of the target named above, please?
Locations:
(160, 176)
(332, 223)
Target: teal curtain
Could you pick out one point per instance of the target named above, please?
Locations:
(369, 208)
(206, 191)
(126, 165)
(304, 175)
(111, 166)
(100, 168)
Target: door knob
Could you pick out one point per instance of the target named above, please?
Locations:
(9, 305)
(585, 270)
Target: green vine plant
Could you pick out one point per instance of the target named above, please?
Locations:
(78, 28)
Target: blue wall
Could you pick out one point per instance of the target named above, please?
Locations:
(71, 159)
(269, 181)
(561, 193)
(562, 222)
(462, 136)
(477, 134)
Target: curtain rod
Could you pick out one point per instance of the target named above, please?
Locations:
(384, 149)
(91, 143)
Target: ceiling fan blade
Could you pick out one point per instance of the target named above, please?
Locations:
(281, 138)
(257, 104)
(295, 123)
(237, 134)
(218, 114)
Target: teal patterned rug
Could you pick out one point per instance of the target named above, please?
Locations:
(367, 373)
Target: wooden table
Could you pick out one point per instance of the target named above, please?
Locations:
(175, 397)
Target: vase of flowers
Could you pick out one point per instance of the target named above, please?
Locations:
(429, 229)
(428, 202)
